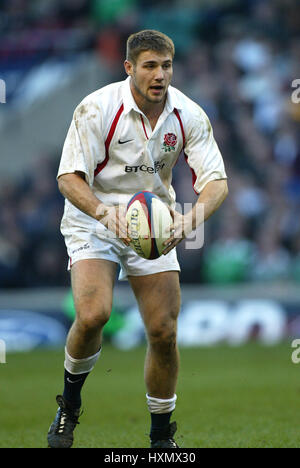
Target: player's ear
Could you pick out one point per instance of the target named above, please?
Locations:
(128, 67)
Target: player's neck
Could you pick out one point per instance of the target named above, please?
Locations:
(153, 113)
(152, 110)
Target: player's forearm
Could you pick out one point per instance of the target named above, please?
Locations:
(210, 199)
(76, 190)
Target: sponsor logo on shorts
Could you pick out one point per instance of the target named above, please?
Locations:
(83, 247)
(158, 166)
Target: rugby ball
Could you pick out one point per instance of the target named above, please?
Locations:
(149, 221)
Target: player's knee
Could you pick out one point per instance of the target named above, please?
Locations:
(163, 335)
(91, 321)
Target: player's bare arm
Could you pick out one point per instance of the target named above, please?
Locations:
(210, 199)
(74, 187)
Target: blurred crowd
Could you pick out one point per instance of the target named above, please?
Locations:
(31, 249)
(238, 60)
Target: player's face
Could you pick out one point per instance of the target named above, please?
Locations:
(150, 76)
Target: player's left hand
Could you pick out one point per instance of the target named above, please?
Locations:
(181, 227)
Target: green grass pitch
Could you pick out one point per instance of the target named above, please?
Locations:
(239, 397)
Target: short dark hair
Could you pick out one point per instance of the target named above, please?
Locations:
(148, 39)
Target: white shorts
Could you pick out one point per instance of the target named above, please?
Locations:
(82, 245)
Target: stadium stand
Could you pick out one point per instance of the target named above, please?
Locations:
(236, 58)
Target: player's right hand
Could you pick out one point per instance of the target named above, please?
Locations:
(114, 219)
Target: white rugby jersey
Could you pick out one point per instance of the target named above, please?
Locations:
(111, 141)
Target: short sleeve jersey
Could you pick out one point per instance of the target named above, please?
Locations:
(111, 141)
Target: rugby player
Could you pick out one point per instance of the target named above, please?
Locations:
(124, 138)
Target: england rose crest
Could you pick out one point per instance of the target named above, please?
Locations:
(170, 141)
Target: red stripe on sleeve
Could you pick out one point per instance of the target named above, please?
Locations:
(181, 126)
(111, 132)
(194, 177)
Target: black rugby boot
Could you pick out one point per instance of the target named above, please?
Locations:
(164, 439)
(60, 434)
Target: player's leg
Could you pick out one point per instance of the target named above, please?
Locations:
(158, 296)
(92, 286)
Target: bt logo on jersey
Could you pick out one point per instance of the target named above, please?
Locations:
(158, 165)
(2, 92)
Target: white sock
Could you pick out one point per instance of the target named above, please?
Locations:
(160, 405)
(80, 366)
